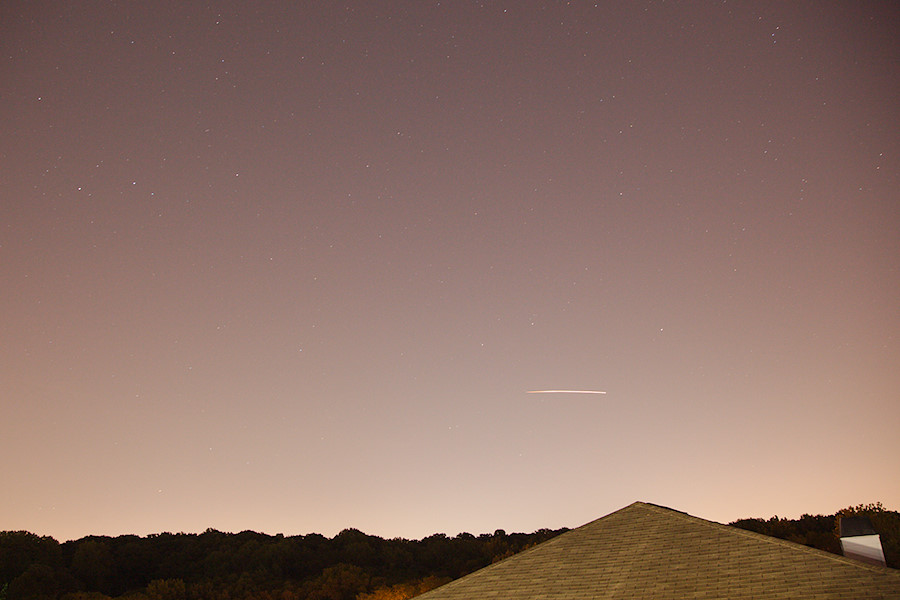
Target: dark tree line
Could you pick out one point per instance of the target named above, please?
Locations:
(224, 566)
(350, 566)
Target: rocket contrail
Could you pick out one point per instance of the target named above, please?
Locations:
(564, 392)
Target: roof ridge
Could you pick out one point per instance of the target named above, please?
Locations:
(556, 539)
(769, 539)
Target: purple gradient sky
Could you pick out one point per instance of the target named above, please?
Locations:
(292, 267)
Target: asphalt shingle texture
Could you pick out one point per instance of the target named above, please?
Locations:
(644, 551)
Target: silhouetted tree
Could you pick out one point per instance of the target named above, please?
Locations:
(38, 582)
(21, 549)
(92, 565)
(167, 589)
(340, 582)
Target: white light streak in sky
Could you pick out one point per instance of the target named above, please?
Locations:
(565, 392)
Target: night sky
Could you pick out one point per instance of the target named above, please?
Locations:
(294, 266)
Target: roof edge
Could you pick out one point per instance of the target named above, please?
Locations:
(766, 538)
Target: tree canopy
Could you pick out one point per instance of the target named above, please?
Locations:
(232, 566)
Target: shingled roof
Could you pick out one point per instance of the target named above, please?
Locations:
(648, 551)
